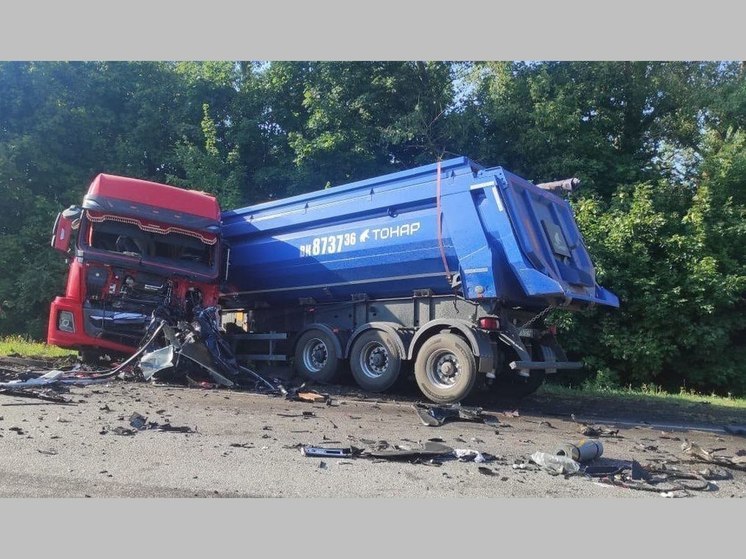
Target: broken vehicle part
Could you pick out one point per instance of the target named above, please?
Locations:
(638, 472)
(39, 395)
(468, 455)
(434, 416)
(701, 455)
(583, 451)
(602, 471)
(155, 361)
(319, 452)
(428, 450)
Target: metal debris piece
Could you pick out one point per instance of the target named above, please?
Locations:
(583, 451)
(594, 430)
(167, 427)
(434, 416)
(123, 431)
(39, 395)
(49, 452)
(468, 455)
(602, 471)
(138, 421)
(638, 472)
(156, 361)
(316, 452)
(699, 454)
(313, 397)
(428, 450)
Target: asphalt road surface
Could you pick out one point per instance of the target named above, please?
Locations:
(246, 444)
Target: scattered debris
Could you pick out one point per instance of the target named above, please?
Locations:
(38, 394)
(315, 451)
(468, 455)
(583, 451)
(556, 464)
(594, 430)
(121, 431)
(428, 450)
(434, 416)
(313, 397)
(138, 421)
(638, 472)
(487, 471)
(602, 471)
(699, 454)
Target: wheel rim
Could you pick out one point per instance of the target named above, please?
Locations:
(443, 369)
(374, 360)
(315, 355)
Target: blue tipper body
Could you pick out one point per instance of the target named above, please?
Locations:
(506, 239)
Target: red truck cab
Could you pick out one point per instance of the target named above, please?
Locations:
(134, 246)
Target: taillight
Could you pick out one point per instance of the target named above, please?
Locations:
(489, 323)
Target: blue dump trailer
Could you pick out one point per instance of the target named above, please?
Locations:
(449, 268)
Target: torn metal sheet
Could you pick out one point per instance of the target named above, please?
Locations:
(434, 416)
(428, 450)
(699, 454)
(320, 452)
(198, 352)
(39, 395)
(155, 361)
(602, 471)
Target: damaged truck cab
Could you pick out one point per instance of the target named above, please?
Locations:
(134, 246)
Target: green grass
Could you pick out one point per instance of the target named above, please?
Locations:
(648, 393)
(18, 345)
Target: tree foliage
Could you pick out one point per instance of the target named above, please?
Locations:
(659, 147)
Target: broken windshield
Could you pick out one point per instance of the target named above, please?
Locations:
(169, 248)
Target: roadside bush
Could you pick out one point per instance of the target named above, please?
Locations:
(674, 256)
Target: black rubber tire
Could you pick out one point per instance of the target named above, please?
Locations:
(315, 357)
(512, 385)
(509, 384)
(369, 375)
(445, 348)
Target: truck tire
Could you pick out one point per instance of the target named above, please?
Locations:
(315, 357)
(509, 384)
(512, 385)
(445, 369)
(375, 361)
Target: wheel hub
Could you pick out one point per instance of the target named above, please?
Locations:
(446, 369)
(374, 360)
(315, 356)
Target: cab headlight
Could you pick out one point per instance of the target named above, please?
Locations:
(66, 322)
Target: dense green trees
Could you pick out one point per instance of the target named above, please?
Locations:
(659, 146)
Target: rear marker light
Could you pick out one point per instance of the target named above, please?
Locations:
(489, 323)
